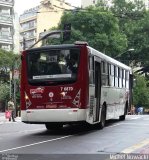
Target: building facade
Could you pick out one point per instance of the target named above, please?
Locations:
(41, 18)
(86, 3)
(6, 24)
(28, 27)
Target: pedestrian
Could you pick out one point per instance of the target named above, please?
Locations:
(18, 111)
(11, 108)
(133, 110)
(140, 110)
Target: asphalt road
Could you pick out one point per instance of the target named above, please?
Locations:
(27, 141)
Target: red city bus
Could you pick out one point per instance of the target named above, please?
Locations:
(73, 83)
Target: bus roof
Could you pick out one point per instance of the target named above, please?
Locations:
(109, 59)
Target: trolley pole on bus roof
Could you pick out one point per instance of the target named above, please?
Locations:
(55, 34)
(45, 35)
(119, 55)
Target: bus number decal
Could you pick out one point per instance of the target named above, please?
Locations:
(66, 89)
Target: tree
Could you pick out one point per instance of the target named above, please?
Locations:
(141, 92)
(98, 27)
(8, 62)
(133, 21)
(7, 59)
(4, 95)
(4, 92)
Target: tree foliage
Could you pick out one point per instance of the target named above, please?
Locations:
(133, 21)
(98, 27)
(4, 91)
(7, 63)
(141, 92)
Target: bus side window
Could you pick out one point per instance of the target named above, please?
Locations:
(112, 75)
(91, 70)
(108, 72)
(104, 74)
(116, 76)
(127, 80)
(120, 77)
(123, 78)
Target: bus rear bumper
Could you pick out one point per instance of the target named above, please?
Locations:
(53, 115)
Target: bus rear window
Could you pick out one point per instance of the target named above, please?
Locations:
(56, 65)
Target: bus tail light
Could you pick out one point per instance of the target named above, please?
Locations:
(76, 100)
(27, 101)
(26, 97)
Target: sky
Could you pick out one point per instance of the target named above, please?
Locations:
(21, 5)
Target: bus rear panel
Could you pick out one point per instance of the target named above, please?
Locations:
(52, 84)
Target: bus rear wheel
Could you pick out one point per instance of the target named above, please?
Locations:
(102, 123)
(53, 126)
(122, 118)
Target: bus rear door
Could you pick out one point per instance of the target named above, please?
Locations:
(94, 90)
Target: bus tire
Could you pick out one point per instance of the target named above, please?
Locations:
(102, 123)
(53, 126)
(122, 118)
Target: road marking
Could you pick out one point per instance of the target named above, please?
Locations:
(136, 146)
(33, 144)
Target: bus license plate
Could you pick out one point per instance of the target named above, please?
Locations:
(51, 106)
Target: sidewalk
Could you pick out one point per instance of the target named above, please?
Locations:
(4, 120)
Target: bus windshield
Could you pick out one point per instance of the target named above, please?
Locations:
(53, 66)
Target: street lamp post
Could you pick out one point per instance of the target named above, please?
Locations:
(15, 77)
(24, 43)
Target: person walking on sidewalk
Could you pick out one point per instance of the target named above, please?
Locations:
(11, 108)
